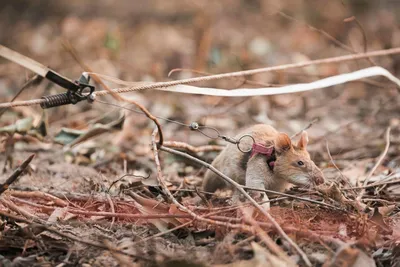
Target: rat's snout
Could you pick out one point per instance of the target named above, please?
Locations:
(319, 180)
(318, 177)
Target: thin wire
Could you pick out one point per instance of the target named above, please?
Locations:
(176, 122)
(139, 112)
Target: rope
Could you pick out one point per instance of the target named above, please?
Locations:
(221, 76)
(22, 103)
(252, 72)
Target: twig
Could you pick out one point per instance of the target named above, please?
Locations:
(33, 204)
(163, 233)
(112, 209)
(71, 49)
(330, 37)
(128, 215)
(15, 208)
(293, 197)
(122, 177)
(337, 129)
(305, 128)
(372, 185)
(344, 178)
(361, 28)
(241, 190)
(322, 32)
(39, 194)
(13, 177)
(191, 148)
(71, 237)
(377, 164)
(36, 79)
(142, 108)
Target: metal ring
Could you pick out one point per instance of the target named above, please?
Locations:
(240, 139)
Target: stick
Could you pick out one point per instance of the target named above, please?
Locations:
(305, 128)
(13, 177)
(379, 161)
(182, 145)
(36, 79)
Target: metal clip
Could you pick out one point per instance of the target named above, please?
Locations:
(84, 91)
(229, 139)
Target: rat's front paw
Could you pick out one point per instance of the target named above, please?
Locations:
(261, 198)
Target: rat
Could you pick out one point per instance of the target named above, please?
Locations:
(274, 162)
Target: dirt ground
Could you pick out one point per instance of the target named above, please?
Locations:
(98, 202)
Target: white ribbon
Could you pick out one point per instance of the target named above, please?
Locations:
(295, 88)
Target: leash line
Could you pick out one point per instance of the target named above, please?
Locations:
(78, 87)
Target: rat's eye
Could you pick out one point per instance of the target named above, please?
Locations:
(300, 163)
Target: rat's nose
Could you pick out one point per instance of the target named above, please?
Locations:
(319, 179)
(318, 176)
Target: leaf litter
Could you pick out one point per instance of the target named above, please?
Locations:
(96, 188)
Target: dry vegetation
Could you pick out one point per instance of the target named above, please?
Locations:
(112, 200)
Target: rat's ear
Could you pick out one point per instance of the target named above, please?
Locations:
(302, 144)
(283, 143)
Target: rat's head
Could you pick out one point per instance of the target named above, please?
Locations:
(293, 162)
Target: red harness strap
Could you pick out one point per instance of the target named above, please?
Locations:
(266, 151)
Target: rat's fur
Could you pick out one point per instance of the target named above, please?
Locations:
(254, 172)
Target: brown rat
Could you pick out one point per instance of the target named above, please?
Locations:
(288, 164)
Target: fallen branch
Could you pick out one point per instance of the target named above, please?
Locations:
(13, 177)
(39, 194)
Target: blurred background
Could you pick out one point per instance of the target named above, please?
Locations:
(145, 40)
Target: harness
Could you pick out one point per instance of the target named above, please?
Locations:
(268, 152)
